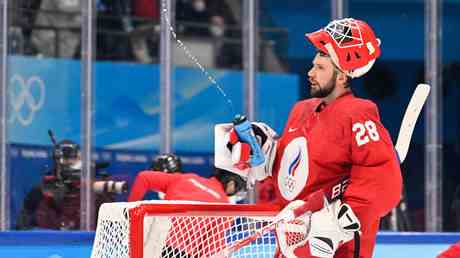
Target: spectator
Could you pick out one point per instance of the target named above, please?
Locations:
(147, 9)
(22, 20)
(212, 19)
(145, 37)
(228, 39)
(57, 31)
(208, 18)
(114, 16)
(196, 15)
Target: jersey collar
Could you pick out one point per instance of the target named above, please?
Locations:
(322, 105)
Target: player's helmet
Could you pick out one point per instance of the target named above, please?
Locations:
(167, 163)
(67, 155)
(225, 177)
(351, 44)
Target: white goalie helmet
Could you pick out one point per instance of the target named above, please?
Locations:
(226, 154)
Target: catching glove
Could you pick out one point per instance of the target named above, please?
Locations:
(324, 230)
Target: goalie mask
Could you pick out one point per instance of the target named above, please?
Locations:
(233, 155)
(351, 44)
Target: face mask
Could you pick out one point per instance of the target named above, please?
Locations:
(217, 30)
(199, 5)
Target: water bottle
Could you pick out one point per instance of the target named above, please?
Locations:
(244, 130)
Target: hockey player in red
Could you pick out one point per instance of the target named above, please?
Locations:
(185, 186)
(334, 142)
(177, 185)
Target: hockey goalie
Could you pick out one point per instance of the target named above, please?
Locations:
(333, 142)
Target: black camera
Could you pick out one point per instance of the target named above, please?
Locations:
(55, 203)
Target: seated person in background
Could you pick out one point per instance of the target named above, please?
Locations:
(112, 24)
(144, 37)
(194, 11)
(206, 18)
(185, 186)
(61, 22)
(22, 18)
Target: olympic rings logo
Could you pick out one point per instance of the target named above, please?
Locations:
(26, 98)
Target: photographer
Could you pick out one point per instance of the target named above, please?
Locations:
(55, 202)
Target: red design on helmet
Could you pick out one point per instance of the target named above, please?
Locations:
(351, 44)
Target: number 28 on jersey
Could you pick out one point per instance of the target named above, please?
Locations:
(365, 132)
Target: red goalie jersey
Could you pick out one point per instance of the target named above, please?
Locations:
(344, 149)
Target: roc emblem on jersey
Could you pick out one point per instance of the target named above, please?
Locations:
(293, 173)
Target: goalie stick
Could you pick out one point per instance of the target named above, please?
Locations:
(409, 120)
(411, 115)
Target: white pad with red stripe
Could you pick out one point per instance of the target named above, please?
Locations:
(324, 230)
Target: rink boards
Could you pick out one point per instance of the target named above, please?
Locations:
(77, 244)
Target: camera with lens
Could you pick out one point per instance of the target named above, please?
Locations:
(55, 202)
(67, 171)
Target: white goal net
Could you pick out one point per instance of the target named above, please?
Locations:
(165, 229)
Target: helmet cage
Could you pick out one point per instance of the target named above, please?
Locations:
(350, 43)
(345, 33)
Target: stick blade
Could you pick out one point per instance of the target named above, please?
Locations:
(411, 115)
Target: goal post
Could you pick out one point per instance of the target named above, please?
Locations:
(181, 229)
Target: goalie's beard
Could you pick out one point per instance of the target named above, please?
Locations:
(325, 90)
